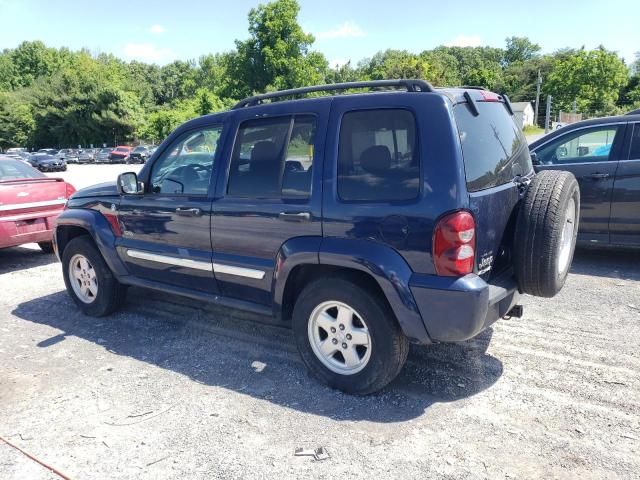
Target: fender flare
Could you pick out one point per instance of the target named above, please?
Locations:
(100, 231)
(382, 263)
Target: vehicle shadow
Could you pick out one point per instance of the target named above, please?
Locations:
(14, 259)
(228, 349)
(612, 263)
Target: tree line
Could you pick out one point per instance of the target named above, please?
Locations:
(60, 98)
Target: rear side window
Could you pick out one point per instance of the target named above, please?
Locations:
(493, 147)
(377, 156)
(635, 143)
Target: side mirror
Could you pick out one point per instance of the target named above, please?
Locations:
(128, 184)
(534, 158)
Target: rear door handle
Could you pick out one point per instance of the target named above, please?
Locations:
(295, 216)
(189, 212)
(599, 176)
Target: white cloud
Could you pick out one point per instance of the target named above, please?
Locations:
(157, 28)
(147, 52)
(346, 30)
(465, 41)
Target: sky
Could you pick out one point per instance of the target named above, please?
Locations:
(161, 31)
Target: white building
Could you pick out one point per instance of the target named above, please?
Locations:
(522, 113)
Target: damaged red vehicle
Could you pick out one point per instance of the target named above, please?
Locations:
(30, 202)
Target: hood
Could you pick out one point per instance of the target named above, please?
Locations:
(107, 189)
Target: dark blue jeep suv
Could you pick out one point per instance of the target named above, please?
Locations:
(366, 221)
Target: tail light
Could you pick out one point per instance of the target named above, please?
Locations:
(454, 244)
(69, 190)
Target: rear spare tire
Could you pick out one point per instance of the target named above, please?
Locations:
(546, 231)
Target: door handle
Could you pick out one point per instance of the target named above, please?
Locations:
(189, 212)
(599, 176)
(295, 216)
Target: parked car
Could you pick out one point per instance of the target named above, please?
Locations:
(62, 153)
(29, 204)
(604, 155)
(364, 221)
(47, 163)
(138, 155)
(72, 156)
(48, 151)
(120, 154)
(87, 155)
(103, 155)
(16, 150)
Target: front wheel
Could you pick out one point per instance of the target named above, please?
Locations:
(88, 279)
(347, 337)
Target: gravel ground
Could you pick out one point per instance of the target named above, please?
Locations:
(171, 388)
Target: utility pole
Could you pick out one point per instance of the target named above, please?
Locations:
(548, 115)
(574, 105)
(538, 83)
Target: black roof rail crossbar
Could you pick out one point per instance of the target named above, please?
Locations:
(507, 103)
(472, 104)
(410, 85)
(472, 87)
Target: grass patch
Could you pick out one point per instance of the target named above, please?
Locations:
(532, 130)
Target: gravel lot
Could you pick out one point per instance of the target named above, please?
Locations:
(170, 388)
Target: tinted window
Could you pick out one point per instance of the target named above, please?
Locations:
(186, 166)
(580, 146)
(635, 143)
(377, 156)
(493, 147)
(12, 169)
(273, 158)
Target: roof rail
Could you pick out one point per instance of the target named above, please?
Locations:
(410, 85)
(472, 87)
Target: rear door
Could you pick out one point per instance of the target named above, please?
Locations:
(592, 155)
(271, 194)
(167, 230)
(625, 203)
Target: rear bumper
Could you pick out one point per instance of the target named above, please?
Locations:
(27, 228)
(457, 309)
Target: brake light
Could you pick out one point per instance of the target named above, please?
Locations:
(454, 244)
(69, 190)
(488, 96)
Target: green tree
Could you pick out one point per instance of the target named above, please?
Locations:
(593, 78)
(520, 49)
(277, 54)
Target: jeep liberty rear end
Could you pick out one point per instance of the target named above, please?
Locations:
(365, 221)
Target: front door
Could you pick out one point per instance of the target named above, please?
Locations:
(592, 155)
(625, 206)
(272, 194)
(167, 230)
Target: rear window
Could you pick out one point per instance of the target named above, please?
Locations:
(493, 147)
(13, 169)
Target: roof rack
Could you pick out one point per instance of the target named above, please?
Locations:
(410, 85)
(472, 87)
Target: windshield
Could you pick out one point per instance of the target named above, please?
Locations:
(15, 169)
(122, 149)
(140, 149)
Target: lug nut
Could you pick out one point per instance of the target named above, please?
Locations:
(348, 336)
(341, 327)
(344, 345)
(333, 329)
(334, 341)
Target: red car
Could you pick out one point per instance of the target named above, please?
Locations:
(30, 202)
(120, 154)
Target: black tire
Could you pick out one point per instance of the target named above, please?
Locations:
(111, 293)
(389, 346)
(537, 243)
(46, 247)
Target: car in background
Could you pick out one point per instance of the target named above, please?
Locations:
(30, 202)
(87, 155)
(102, 156)
(120, 154)
(63, 153)
(48, 151)
(16, 150)
(21, 156)
(604, 156)
(47, 163)
(71, 156)
(139, 154)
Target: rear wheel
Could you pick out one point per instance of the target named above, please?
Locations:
(546, 233)
(88, 279)
(46, 247)
(347, 338)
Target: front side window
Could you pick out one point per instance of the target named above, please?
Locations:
(377, 156)
(185, 168)
(586, 145)
(273, 158)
